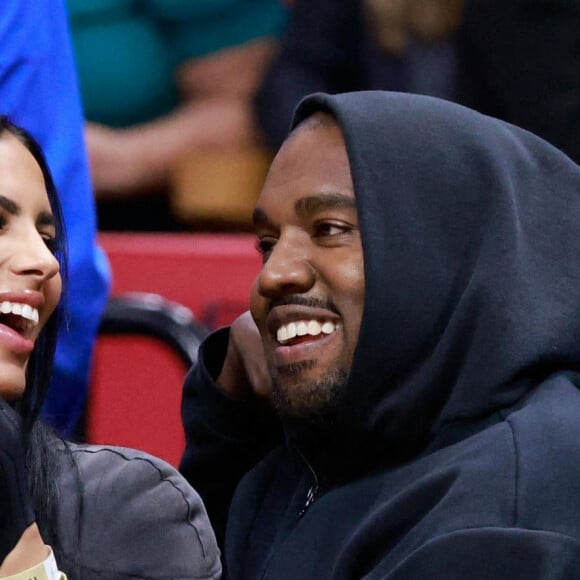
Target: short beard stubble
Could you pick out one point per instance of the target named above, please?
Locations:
(308, 401)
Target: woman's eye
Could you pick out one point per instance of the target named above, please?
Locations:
(50, 243)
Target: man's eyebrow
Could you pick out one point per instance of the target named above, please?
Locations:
(311, 204)
(260, 218)
(8, 205)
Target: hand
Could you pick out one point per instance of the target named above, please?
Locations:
(16, 510)
(245, 373)
(119, 166)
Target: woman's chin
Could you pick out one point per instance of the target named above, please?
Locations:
(12, 390)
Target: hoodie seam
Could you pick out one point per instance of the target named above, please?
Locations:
(451, 533)
(163, 478)
(515, 515)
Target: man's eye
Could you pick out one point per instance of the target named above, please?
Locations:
(265, 245)
(325, 229)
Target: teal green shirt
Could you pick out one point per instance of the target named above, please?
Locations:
(127, 51)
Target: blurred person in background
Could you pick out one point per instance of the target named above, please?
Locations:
(39, 91)
(520, 61)
(517, 60)
(397, 45)
(161, 79)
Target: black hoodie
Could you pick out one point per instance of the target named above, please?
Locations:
(457, 448)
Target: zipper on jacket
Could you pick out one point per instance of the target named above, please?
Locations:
(313, 490)
(312, 494)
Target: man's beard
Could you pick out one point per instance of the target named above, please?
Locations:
(310, 402)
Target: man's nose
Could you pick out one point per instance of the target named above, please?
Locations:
(288, 270)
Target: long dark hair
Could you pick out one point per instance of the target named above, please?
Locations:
(39, 367)
(42, 465)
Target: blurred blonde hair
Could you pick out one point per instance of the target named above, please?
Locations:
(394, 22)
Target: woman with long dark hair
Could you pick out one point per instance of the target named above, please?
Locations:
(88, 511)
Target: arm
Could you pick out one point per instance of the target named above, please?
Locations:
(138, 518)
(215, 113)
(228, 427)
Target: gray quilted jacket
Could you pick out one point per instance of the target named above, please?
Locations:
(136, 518)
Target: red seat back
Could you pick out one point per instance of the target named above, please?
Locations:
(137, 380)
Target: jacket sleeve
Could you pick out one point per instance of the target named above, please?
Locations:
(492, 554)
(319, 52)
(225, 437)
(136, 517)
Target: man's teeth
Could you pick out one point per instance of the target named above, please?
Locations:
(291, 330)
(24, 310)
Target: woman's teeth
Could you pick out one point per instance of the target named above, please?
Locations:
(291, 330)
(24, 310)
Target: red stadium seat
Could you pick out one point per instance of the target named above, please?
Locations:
(138, 373)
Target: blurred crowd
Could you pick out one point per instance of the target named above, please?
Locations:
(186, 102)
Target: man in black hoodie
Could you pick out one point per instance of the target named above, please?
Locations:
(419, 413)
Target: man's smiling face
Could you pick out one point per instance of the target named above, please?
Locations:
(308, 298)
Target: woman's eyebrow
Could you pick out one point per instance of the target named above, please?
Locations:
(311, 204)
(45, 218)
(8, 205)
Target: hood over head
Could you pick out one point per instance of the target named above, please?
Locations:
(471, 236)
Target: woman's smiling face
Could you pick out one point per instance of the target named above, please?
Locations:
(30, 281)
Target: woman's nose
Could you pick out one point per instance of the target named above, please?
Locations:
(34, 258)
(288, 270)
